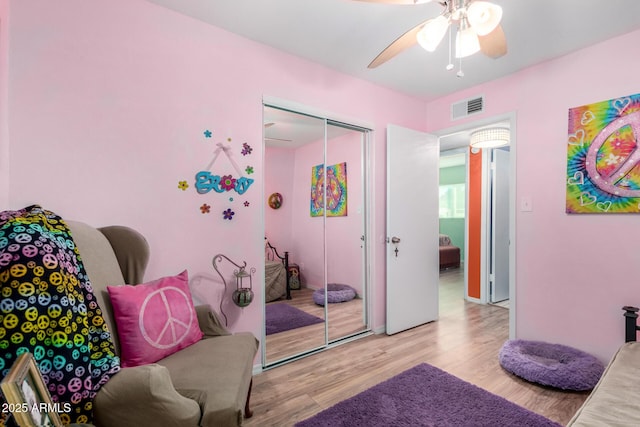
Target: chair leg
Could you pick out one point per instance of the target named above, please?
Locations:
(248, 413)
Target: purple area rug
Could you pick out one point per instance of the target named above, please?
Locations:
(426, 396)
(282, 317)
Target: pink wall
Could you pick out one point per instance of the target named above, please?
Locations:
(574, 272)
(4, 99)
(278, 178)
(308, 231)
(108, 102)
(344, 255)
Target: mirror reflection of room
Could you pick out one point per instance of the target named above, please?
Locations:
(293, 144)
(314, 247)
(344, 235)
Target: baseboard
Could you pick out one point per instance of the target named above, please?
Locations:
(380, 330)
(476, 300)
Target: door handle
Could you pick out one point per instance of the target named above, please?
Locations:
(395, 240)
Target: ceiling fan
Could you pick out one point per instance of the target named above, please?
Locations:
(478, 29)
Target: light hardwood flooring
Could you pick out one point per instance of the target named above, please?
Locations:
(465, 342)
(345, 319)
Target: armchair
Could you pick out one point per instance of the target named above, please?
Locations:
(205, 384)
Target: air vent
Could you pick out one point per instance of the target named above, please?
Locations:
(467, 107)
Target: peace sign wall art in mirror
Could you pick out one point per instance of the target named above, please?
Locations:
(336, 190)
(603, 157)
(226, 184)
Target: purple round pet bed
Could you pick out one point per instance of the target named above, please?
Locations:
(552, 365)
(335, 293)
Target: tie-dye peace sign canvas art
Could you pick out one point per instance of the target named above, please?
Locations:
(603, 157)
(336, 190)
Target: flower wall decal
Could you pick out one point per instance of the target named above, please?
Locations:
(227, 183)
(221, 180)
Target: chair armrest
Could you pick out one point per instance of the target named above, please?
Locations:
(135, 396)
(209, 322)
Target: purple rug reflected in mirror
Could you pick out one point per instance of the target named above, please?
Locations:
(280, 317)
(426, 396)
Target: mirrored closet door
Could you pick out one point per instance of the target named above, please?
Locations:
(345, 231)
(315, 233)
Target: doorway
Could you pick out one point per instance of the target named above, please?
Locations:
(480, 287)
(498, 226)
(452, 212)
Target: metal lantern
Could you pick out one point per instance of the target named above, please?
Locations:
(243, 296)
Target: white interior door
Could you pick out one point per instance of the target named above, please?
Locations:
(412, 228)
(499, 275)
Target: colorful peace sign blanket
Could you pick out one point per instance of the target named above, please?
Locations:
(47, 307)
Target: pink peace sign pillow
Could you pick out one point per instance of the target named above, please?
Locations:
(154, 319)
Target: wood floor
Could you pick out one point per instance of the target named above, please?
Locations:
(345, 319)
(464, 342)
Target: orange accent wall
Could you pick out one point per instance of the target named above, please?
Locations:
(474, 188)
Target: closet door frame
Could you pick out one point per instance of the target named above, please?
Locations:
(367, 205)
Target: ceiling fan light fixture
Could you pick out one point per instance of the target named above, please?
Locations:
(467, 42)
(430, 36)
(490, 137)
(484, 17)
(477, 26)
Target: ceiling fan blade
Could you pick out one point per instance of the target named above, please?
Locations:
(400, 44)
(396, 1)
(494, 44)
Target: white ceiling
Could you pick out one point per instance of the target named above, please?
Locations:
(346, 35)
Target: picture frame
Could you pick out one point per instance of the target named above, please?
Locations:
(26, 396)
